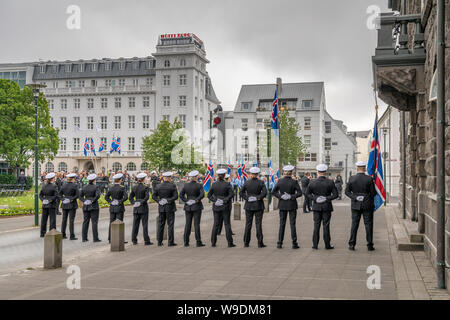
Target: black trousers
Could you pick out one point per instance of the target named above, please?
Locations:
(368, 223)
(170, 217)
(219, 231)
(68, 213)
(292, 221)
(137, 218)
(235, 190)
(225, 215)
(91, 215)
(306, 204)
(196, 216)
(323, 217)
(46, 213)
(258, 215)
(113, 217)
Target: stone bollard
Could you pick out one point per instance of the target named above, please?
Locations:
(237, 211)
(53, 249)
(117, 236)
(275, 203)
(266, 205)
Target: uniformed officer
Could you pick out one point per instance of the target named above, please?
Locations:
(68, 195)
(287, 190)
(305, 182)
(361, 190)
(192, 194)
(253, 192)
(116, 197)
(219, 230)
(322, 191)
(89, 196)
(49, 198)
(220, 194)
(166, 194)
(139, 199)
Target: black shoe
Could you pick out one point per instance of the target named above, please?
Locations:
(351, 248)
(233, 234)
(186, 245)
(42, 235)
(213, 245)
(97, 240)
(172, 244)
(64, 236)
(261, 245)
(231, 245)
(295, 246)
(125, 242)
(85, 240)
(246, 245)
(134, 243)
(279, 246)
(200, 244)
(315, 247)
(73, 238)
(148, 243)
(160, 244)
(330, 247)
(371, 248)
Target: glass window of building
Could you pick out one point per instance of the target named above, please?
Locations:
(167, 64)
(131, 102)
(182, 100)
(76, 122)
(327, 126)
(63, 123)
(182, 119)
(117, 122)
(117, 102)
(76, 103)
(166, 117)
(116, 167)
(90, 103)
(183, 62)
(63, 104)
(131, 147)
(90, 123)
(145, 122)
(104, 122)
(131, 122)
(307, 125)
(146, 102)
(244, 124)
(307, 140)
(76, 144)
(104, 103)
(166, 80)
(327, 143)
(183, 79)
(49, 167)
(166, 101)
(121, 82)
(81, 83)
(307, 104)
(62, 167)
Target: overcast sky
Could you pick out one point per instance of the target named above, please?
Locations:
(247, 41)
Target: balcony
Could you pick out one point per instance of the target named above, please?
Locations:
(96, 90)
(399, 60)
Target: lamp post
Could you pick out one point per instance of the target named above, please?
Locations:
(36, 92)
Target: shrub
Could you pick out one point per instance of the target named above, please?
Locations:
(8, 179)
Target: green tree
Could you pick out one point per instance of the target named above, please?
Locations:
(17, 124)
(291, 145)
(167, 140)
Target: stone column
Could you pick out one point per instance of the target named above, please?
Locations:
(53, 249)
(117, 236)
(237, 211)
(266, 205)
(275, 203)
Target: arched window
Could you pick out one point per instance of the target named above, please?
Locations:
(116, 166)
(167, 64)
(49, 167)
(131, 166)
(144, 166)
(62, 167)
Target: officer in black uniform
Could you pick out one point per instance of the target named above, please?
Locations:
(68, 195)
(192, 194)
(287, 190)
(139, 199)
(253, 192)
(305, 182)
(89, 196)
(49, 198)
(116, 197)
(166, 194)
(219, 230)
(361, 190)
(322, 191)
(220, 194)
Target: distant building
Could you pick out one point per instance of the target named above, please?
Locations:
(362, 144)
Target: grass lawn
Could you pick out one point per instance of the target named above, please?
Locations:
(25, 201)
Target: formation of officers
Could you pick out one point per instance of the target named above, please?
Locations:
(321, 191)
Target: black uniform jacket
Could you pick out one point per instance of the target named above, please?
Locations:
(168, 191)
(254, 188)
(289, 186)
(140, 193)
(221, 190)
(361, 185)
(90, 192)
(324, 187)
(49, 192)
(116, 192)
(192, 191)
(69, 191)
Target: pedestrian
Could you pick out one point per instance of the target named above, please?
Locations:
(306, 202)
(166, 194)
(338, 182)
(253, 192)
(287, 190)
(139, 199)
(220, 194)
(69, 195)
(49, 198)
(361, 190)
(322, 191)
(22, 180)
(89, 196)
(192, 194)
(116, 197)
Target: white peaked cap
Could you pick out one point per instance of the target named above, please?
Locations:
(322, 167)
(227, 176)
(71, 175)
(153, 172)
(167, 174)
(193, 173)
(50, 175)
(92, 176)
(221, 171)
(288, 168)
(141, 175)
(255, 170)
(361, 164)
(118, 176)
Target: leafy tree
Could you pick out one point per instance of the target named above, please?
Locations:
(17, 126)
(164, 142)
(291, 145)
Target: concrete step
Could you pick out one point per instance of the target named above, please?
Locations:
(402, 239)
(411, 229)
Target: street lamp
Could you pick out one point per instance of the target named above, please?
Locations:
(36, 92)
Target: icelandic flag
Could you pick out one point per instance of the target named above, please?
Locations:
(375, 167)
(208, 177)
(278, 174)
(93, 147)
(113, 145)
(271, 176)
(239, 171)
(274, 120)
(118, 145)
(244, 172)
(229, 167)
(86, 147)
(102, 146)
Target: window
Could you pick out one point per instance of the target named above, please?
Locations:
(55, 84)
(42, 68)
(90, 103)
(131, 102)
(145, 122)
(104, 122)
(182, 119)
(76, 122)
(90, 123)
(167, 64)
(121, 65)
(63, 122)
(131, 166)
(110, 83)
(68, 67)
(327, 159)
(49, 167)
(313, 157)
(51, 122)
(244, 142)
(76, 103)
(81, 83)
(62, 144)
(166, 117)
(63, 104)
(183, 62)
(166, 101)
(149, 81)
(105, 141)
(108, 66)
(308, 157)
(246, 106)
(183, 79)
(76, 144)
(94, 67)
(117, 102)
(121, 82)
(117, 122)
(327, 126)
(93, 83)
(182, 100)
(244, 124)
(327, 143)
(116, 167)
(104, 103)
(307, 104)
(131, 142)
(51, 104)
(131, 122)
(307, 141)
(146, 102)
(135, 65)
(81, 67)
(307, 125)
(135, 82)
(166, 80)
(62, 167)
